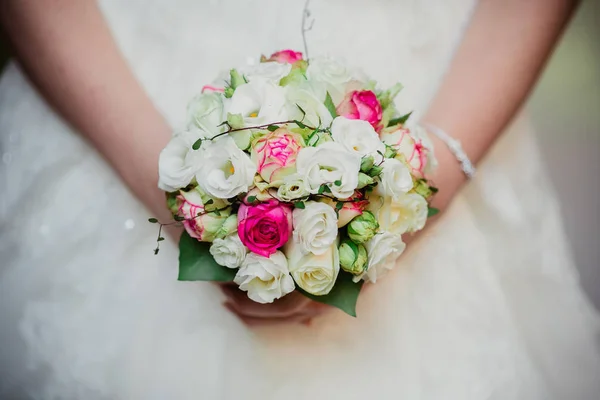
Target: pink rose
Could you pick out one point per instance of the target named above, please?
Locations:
(286, 56)
(275, 154)
(362, 105)
(265, 227)
(202, 225)
(408, 147)
(353, 207)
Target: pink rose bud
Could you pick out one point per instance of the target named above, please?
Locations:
(202, 225)
(352, 207)
(275, 154)
(362, 105)
(265, 227)
(286, 56)
(408, 147)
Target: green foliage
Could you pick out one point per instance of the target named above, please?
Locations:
(152, 220)
(386, 98)
(295, 76)
(400, 120)
(197, 264)
(272, 128)
(251, 199)
(300, 124)
(330, 106)
(432, 211)
(300, 205)
(197, 144)
(344, 294)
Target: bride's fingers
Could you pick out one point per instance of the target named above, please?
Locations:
(282, 308)
(303, 317)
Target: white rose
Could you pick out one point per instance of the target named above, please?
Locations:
(266, 71)
(311, 100)
(229, 252)
(407, 213)
(292, 188)
(225, 170)
(396, 179)
(358, 136)
(259, 102)
(316, 274)
(333, 73)
(206, 111)
(315, 227)
(265, 279)
(178, 162)
(383, 251)
(329, 164)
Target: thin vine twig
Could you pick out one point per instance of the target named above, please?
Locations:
(305, 28)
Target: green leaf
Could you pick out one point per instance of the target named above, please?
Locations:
(330, 106)
(251, 199)
(399, 120)
(432, 211)
(301, 110)
(272, 128)
(338, 183)
(152, 220)
(344, 294)
(197, 144)
(178, 218)
(300, 124)
(209, 202)
(160, 239)
(196, 263)
(300, 205)
(339, 205)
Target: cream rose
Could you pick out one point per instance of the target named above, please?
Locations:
(407, 213)
(311, 100)
(292, 188)
(271, 71)
(315, 274)
(358, 136)
(229, 252)
(383, 250)
(225, 171)
(396, 179)
(206, 111)
(178, 162)
(265, 278)
(332, 73)
(315, 227)
(329, 164)
(259, 102)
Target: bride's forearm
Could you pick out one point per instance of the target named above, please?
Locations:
(494, 69)
(68, 52)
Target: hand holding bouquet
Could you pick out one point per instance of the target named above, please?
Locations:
(296, 176)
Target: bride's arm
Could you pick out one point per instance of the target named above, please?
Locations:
(68, 52)
(493, 71)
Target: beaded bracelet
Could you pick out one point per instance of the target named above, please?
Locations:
(455, 148)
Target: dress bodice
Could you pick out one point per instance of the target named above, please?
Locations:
(177, 46)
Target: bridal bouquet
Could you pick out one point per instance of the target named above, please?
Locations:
(295, 176)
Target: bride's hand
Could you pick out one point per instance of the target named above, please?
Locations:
(292, 308)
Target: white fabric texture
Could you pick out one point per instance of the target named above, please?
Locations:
(484, 305)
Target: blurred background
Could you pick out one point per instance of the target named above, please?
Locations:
(565, 109)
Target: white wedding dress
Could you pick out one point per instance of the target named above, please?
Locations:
(484, 305)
